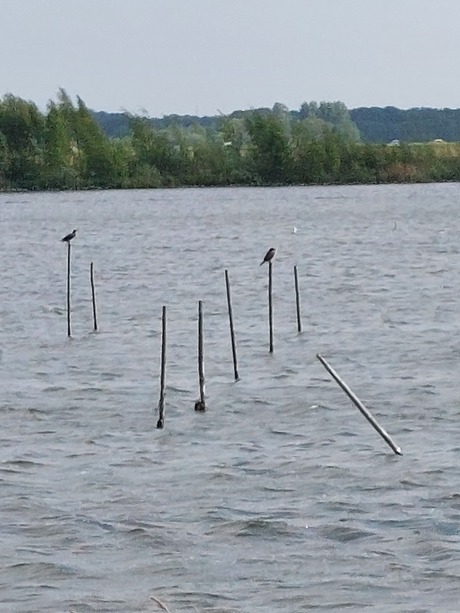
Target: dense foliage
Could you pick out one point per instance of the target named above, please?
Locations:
(374, 125)
(66, 148)
(419, 125)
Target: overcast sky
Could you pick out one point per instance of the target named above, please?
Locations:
(205, 56)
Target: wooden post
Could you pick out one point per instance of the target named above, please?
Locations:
(69, 331)
(232, 331)
(161, 403)
(270, 303)
(297, 300)
(200, 405)
(93, 295)
(383, 433)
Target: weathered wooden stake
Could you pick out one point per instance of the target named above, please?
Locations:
(270, 303)
(161, 403)
(69, 331)
(383, 433)
(297, 300)
(93, 295)
(232, 331)
(200, 405)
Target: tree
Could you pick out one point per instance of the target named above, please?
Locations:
(5, 158)
(94, 150)
(235, 143)
(308, 109)
(59, 154)
(21, 124)
(270, 148)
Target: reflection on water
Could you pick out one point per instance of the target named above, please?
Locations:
(280, 497)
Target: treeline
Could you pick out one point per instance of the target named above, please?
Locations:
(372, 125)
(418, 125)
(66, 148)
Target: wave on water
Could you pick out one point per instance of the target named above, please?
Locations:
(280, 496)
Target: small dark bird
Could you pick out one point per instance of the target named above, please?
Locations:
(69, 237)
(269, 256)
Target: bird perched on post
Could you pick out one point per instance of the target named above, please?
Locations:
(269, 256)
(69, 237)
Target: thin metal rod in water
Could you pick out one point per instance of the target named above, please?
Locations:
(69, 331)
(383, 433)
(200, 405)
(93, 295)
(297, 300)
(270, 303)
(232, 331)
(161, 403)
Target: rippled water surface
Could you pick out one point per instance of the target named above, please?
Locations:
(280, 497)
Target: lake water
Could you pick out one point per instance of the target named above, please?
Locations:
(280, 497)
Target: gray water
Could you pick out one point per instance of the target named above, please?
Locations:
(280, 497)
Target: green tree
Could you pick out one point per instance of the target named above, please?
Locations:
(94, 150)
(164, 154)
(269, 148)
(236, 144)
(4, 162)
(22, 126)
(60, 153)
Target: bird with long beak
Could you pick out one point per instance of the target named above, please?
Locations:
(69, 237)
(269, 256)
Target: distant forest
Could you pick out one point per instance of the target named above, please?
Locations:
(374, 125)
(72, 147)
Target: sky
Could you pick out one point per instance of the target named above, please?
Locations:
(205, 57)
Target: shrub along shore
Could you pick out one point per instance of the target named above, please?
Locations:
(66, 148)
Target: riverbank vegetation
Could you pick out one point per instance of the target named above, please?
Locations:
(65, 147)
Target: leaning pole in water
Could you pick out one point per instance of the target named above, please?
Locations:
(200, 405)
(232, 330)
(270, 305)
(297, 300)
(93, 295)
(69, 331)
(161, 403)
(383, 433)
